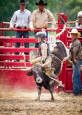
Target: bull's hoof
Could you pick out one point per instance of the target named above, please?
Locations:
(52, 99)
(60, 86)
(37, 99)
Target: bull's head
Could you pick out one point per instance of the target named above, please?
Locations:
(36, 70)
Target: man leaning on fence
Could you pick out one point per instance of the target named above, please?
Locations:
(40, 17)
(78, 23)
(20, 20)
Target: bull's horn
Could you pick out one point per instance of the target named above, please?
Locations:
(27, 69)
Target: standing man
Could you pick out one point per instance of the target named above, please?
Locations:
(76, 56)
(40, 17)
(78, 23)
(20, 20)
(79, 20)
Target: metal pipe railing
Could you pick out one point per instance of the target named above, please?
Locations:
(19, 40)
(7, 29)
(49, 29)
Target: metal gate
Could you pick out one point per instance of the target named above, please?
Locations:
(11, 75)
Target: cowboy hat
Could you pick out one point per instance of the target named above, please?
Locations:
(22, 2)
(41, 2)
(79, 14)
(74, 31)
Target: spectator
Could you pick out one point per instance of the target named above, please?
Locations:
(20, 20)
(78, 23)
(76, 57)
(79, 20)
(40, 18)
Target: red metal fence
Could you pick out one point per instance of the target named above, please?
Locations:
(10, 74)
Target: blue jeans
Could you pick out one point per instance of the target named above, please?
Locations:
(20, 34)
(77, 86)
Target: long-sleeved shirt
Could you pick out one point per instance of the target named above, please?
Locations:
(76, 50)
(77, 25)
(38, 19)
(21, 19)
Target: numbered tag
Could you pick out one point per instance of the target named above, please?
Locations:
(44, 50)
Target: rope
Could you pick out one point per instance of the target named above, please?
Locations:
(59, 82)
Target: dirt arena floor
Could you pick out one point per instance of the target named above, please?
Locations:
(24, 103)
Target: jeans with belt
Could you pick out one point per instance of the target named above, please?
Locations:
(20, 34)
(77, 85)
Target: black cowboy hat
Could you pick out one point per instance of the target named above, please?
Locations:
(23, 2)
(41, 2)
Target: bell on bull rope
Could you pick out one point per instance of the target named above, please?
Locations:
(44, 51)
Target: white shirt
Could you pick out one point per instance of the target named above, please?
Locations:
(77, 25)
(21, 19)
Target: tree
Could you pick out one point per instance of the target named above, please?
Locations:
(69, 7)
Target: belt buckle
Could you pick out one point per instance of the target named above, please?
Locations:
(22, 27)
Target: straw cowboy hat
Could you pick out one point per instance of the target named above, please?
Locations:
(75, 31)
(22, 2)
(41, 2)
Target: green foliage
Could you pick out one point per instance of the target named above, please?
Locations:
(70, 7)
(7, 7)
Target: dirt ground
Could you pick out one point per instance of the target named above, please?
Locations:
(24, 103)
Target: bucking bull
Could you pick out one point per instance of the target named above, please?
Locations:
(44, 73)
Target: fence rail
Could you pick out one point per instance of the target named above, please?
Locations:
(20, 40)
(12, 50)
(11, 69)
(13, 57)
(22, 64)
